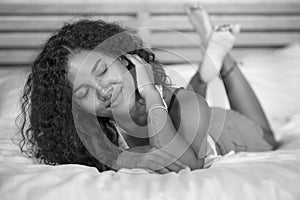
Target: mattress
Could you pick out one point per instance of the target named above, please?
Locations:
(244, 175)
(255, 175)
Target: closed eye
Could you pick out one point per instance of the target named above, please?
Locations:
(105, 70)
(102, 72)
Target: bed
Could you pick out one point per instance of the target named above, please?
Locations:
(271, 64)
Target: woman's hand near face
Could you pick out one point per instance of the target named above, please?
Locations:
(144, 75)
(148, 158)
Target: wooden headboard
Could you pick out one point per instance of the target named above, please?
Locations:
(265, 27)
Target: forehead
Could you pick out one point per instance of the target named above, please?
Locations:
(81, 63)
(83, 59)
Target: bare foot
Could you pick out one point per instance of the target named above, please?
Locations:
(199, 19)
(222, 40)
(220, 43)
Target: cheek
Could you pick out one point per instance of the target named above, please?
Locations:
(89, 104)
(129, 89)
(128, 80)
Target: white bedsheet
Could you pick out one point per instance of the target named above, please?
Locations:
(264, 175)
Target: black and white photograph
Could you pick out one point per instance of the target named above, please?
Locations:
(149, 99)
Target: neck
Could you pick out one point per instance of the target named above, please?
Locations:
(135, 129)
(134, 122)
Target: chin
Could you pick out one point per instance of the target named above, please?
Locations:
(124, 108)
(101, 114)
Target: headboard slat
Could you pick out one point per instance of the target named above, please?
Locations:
(153, 8)
(248, 22)
(265, 26)
(186, 55)
(24, 57)
(51, 23)
(249, 39)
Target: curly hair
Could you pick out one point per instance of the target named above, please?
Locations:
(47, 123)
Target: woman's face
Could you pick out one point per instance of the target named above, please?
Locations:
(101, 84)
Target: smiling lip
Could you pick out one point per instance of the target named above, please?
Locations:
(115, 97)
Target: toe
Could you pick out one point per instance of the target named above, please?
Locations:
(236, 28)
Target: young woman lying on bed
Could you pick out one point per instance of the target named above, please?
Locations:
(94, 89)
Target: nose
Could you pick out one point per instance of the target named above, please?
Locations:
(104, 93)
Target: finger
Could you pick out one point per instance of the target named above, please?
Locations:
(154, 166)
(135, 59)
(174, 167)
(169, 157)
(200, 20)
(191, 7)
(224, 27)
(187, 8)
(142, 65)
(164, 170)
(180, 164)
(235, 29)
(149, 170)
(167, 163)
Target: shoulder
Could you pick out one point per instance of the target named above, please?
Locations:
(195, 117)
(189, 98)
(184, 98)
(188, 104)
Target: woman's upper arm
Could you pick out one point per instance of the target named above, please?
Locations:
(195, 119)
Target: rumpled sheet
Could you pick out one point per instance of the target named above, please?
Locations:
(257, 175)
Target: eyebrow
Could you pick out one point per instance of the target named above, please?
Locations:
(93, 70)
(95, 65)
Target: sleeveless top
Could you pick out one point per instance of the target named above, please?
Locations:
(211, 152)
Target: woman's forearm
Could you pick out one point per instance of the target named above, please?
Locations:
(162, 134)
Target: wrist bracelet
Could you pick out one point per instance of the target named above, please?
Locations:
(157, 106)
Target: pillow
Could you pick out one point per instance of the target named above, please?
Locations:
(12, 80)
(274, 77)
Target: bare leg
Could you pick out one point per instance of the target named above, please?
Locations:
(243, 99)
(200, 20)
(239, 92)
(198, 85)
